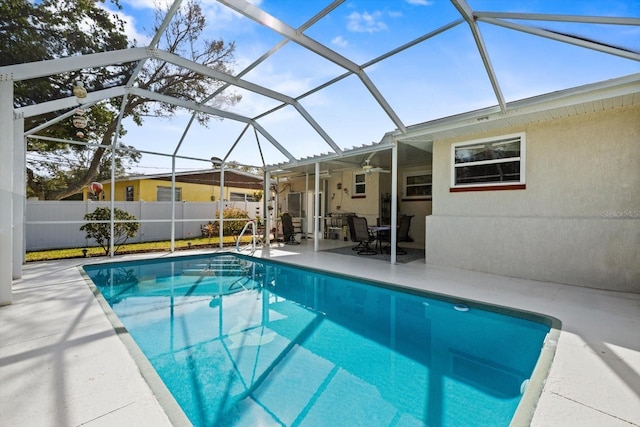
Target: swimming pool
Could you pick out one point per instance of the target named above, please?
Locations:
(245, 341)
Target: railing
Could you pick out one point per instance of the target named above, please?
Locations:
(252, 244)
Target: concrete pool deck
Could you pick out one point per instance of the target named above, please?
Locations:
(63, 364)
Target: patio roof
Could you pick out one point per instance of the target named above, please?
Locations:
(232, 177)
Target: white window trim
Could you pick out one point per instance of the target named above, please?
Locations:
(354, 193)
(177, 196)
(522, 159)
(404, 185)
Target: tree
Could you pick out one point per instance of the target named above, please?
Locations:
(233, 164)
(58, 28)
(101, 231)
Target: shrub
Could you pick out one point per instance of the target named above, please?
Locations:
(100, 232)
(230, 228)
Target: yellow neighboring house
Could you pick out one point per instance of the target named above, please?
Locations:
(192, 186)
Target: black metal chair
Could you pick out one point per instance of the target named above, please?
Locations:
(404, 223)
(288, 230)
(361, 235)
(352, 233)
(403, 232)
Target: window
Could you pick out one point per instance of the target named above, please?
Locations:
(163, 194)
(417, 186)
(359, 184)
(128, 194)
(294, 204)
(241, 197)
(492, 163)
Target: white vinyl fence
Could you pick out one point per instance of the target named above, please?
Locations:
(45, 226)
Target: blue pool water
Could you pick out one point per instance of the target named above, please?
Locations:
(240, 341)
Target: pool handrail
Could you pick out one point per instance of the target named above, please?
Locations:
(253, 236)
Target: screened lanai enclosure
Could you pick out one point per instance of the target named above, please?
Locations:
(319, 87)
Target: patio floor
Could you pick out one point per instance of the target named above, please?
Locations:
(62, 363)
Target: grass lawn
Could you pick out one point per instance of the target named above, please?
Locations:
(200, 242)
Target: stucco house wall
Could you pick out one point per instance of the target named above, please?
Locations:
(577, 221)
(347, 202)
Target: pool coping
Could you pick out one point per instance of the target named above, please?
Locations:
(168, 403)
(525, 410)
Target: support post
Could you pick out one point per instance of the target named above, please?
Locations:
(316, 208)
(112, 202)
(394, 200)
(266, 199)
(6, 188)
(221, 205)
(19, 195)
(173, 204)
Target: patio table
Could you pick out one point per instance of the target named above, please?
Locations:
(376, 229)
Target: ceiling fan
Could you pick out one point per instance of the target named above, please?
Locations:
(367, 167)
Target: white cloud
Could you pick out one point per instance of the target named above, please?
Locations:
(148, 4)
(339, 41)
(366, 22)
(130, 28)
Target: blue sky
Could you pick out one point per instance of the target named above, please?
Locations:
(437, 78)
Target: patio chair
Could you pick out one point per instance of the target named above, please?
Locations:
(288, 230)
(404, 223)
(403, 232)
(361, 235)
(352, 233)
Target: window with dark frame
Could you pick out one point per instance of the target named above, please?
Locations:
(359, 184)
(417, 186)
(489, 162)
(128, 193)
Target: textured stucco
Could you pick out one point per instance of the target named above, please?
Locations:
(577, 221)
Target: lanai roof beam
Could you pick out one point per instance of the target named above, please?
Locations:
(257, 62)
(468, 16)
(368, 64)
(156, 39)
(613, 20)
(32, 70)
(211, 110)
(204, 70)
(283, 42)
(250, 11)
(624, 53)
(70, 102)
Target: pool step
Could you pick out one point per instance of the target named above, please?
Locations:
(223, 266)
